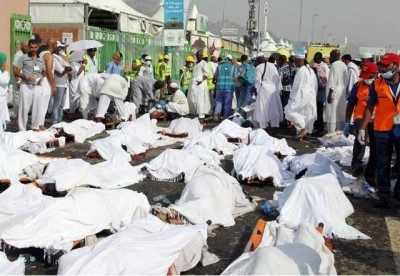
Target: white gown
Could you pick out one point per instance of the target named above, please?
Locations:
(199, 97)
(337, 81)
(268, 107)
(301, 109)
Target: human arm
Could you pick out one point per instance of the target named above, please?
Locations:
(49, 62)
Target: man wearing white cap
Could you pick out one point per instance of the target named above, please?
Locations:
(366, 57)
(78, 68)
(301, 109)
(336, 89)
(179, 104)
(268, 108)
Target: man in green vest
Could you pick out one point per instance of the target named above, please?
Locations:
(162, 70)
(185, 74)
(136, 64)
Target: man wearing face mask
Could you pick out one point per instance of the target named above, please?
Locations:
(384, 97)
(356, 102)
(146, 69)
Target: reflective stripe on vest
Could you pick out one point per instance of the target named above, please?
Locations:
(210, 84)
(167, 70)
(385, 109)
(362, 97)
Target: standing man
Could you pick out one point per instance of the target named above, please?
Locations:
(4, 80)
(224, 78)
(366, 57)
(336, 91)
(384, 96)
(321, 70)
(78, 68)
(61, 69)
(210, 79)
(30, 69)
(246, 77)
(353, 72)
(268, 109)
(185, 74)
(287, 75)
(48, 85)
(301, 109)
(114, 66)
(91, 64)
(146, 69)
(136, 64)
(17, 81)
(357, 101)
(199, 97)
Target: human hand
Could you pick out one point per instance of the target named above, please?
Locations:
(346, 130)
(5, 67)
(361, 137)
(54, 90)
(330, 97)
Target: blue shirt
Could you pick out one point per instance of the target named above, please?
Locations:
(352, 97)
(225, 77)
(113, 68)
(372, 100)
(249, 73)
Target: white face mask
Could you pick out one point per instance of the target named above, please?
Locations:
(148, 62)
(369, 81)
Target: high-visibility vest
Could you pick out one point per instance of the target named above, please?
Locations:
(210, 77)
(167, 70)
(385, 108)
(362, 97)
(134, 72)
(157, 74)
(185, 78)
(165, 73)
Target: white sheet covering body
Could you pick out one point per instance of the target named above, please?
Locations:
(318, 199)
(301, 109)
(81, 213)
(68, 174)
(316, 164)
(262, 138)
(268, 109)
(286, 250)
(81, 129)
(146, 247)
(257, 162)
(20, 138)
(232, 130)
(201, 198)
(212, 141)
(16, 267)
(185, 125)
(13, 161)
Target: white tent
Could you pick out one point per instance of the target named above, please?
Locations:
(73, 11)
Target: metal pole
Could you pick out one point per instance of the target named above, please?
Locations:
(301, 15)
(259, 36)
(223, 15)
(322, 37)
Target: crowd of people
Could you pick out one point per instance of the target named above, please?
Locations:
(328, 95)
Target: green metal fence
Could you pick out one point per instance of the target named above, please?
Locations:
(20, 30)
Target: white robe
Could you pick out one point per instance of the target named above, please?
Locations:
(354, 74)
(179, 104)
(301, 109)
(4, 115)
(337, 81)
(199, 97)
(268, 109)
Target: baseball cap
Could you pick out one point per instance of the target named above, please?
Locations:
(368, 70)
(229, 56)
(147, 58)
(389, 58)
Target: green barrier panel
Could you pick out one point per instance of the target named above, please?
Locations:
(20, 30)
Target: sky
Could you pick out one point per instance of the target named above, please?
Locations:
(372, 23)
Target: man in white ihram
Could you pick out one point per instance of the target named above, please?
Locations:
(179, 104)
(301, 109)
(115, 88)
(336, 93)
(268, 108)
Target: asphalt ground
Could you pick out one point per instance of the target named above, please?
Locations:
(380, 255)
